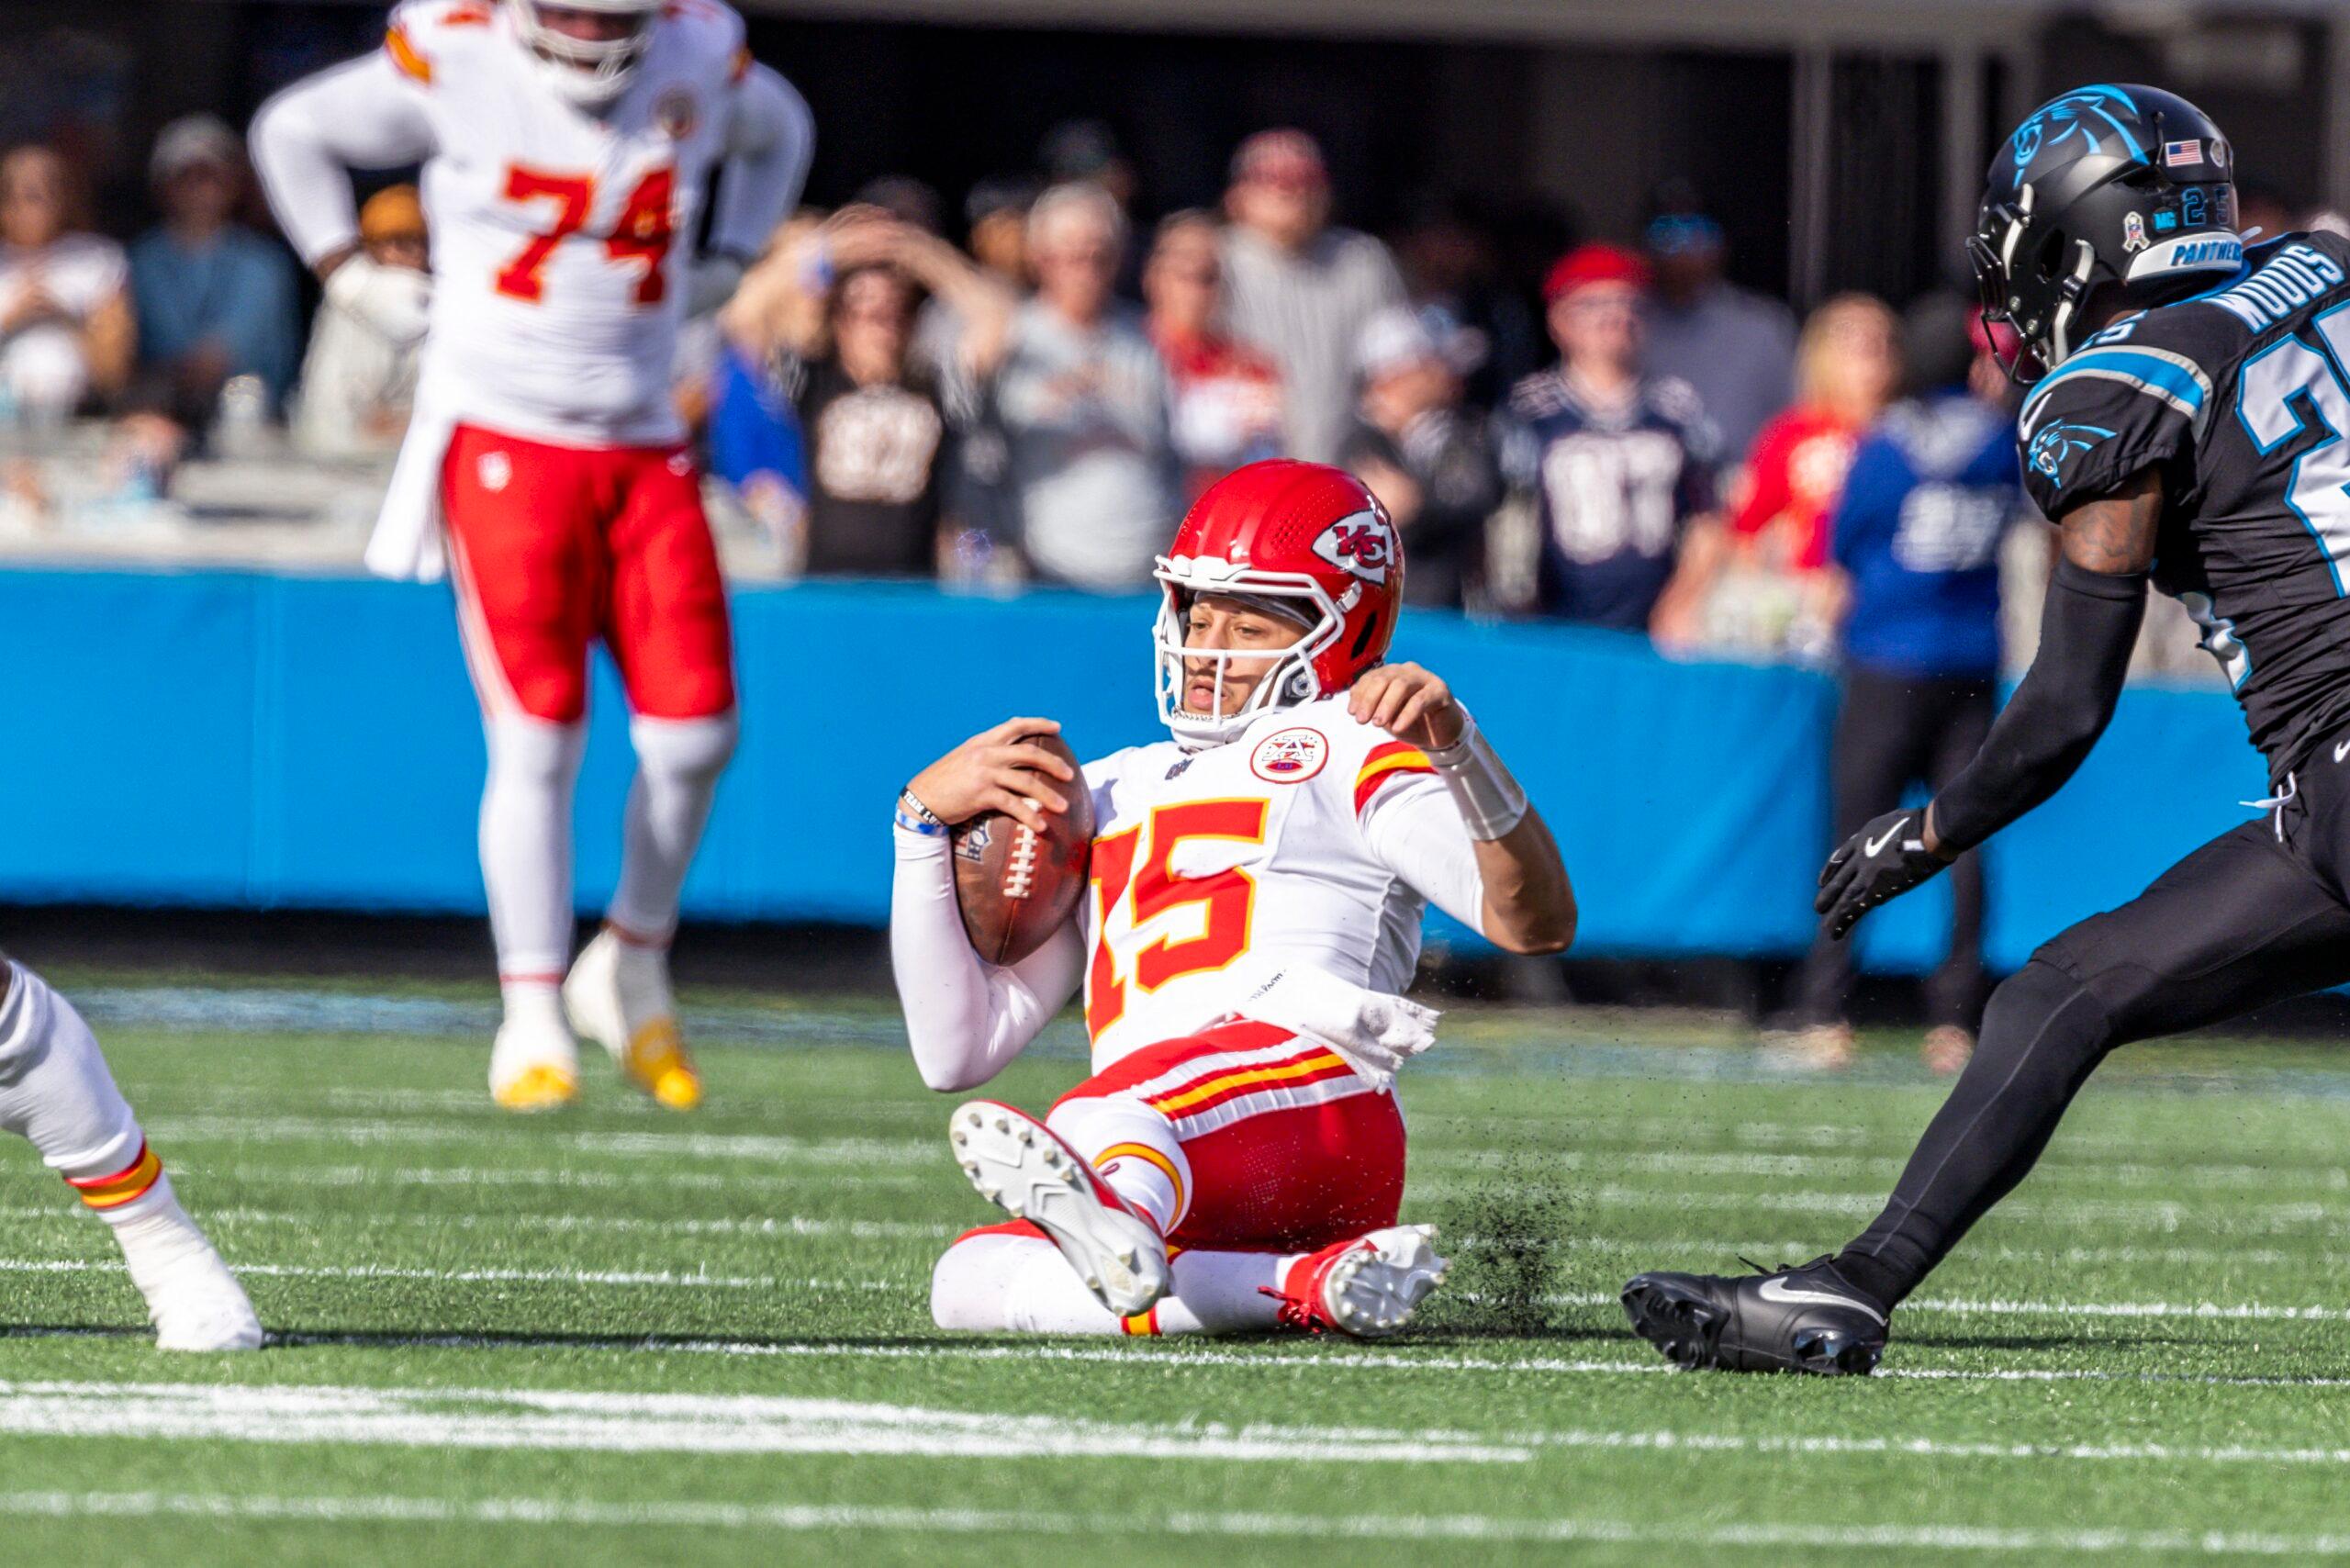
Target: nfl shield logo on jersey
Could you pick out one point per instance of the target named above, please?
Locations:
(676, 114)
(1362, 542)
(1290, 757)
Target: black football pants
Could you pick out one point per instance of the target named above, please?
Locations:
(2255, 916)
(1893, 731)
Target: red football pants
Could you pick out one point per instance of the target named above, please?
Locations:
(1287, 1149)
(555, 546)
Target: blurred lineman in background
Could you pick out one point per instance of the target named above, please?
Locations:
(56, 1092)
(567, 148)
(2182, 426)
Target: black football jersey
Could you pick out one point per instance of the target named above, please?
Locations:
(2241, 397)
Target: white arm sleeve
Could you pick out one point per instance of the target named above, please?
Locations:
(306, 141)
(965, 1017)
(1415, 831)
(769, 141)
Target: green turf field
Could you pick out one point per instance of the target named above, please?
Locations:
(623, 1336)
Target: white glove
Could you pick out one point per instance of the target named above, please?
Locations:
(1373, 1032)
(710, 283)
(394, 301)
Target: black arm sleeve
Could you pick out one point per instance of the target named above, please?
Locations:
(2059, 709)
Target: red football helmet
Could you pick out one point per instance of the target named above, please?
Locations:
(1285, 531)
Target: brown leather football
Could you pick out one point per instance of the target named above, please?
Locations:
(1015, 886)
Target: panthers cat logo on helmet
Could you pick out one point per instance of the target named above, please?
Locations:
(2106, 187)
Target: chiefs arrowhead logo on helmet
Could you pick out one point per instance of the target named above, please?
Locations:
(1362, 542)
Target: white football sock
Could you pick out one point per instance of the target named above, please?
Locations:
(526, 848)
(55, 1088)
(678, 761)
(1001, 1283)
(1135, 1151)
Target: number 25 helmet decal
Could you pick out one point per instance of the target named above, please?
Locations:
(1302, 541)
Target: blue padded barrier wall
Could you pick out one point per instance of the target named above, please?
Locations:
(250, 741)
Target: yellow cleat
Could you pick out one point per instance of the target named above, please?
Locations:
(656, 1062)
(537, 1088)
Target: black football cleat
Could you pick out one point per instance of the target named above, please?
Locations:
(1803, 1318)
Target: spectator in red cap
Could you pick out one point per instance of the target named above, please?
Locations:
(1298, 287)
(1620, 462)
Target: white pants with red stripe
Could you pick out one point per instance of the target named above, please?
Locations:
(1247, 1145)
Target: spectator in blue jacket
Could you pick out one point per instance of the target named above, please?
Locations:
(1931, 493)
(214, 299)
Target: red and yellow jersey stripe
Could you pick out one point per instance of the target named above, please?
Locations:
(1390, 759)
(1202, 1095)
(120, 1187)
(404, 54)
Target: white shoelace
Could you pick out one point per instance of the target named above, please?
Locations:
(2276, 803)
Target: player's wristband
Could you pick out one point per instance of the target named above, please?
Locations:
(1490, 801)
(915, 817)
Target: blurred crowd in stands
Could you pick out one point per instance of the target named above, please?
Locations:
(1034, 391)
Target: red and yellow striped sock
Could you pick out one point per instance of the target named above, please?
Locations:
(113, 1191)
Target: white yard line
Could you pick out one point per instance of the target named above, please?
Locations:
(660, 1279)
(1358, 1526)
(1195, 1353)
(716, 1424)
(678, 1423)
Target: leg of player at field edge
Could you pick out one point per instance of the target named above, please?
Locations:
(526, 870)
(56, 1092)
(666, 626)
(2238, 924)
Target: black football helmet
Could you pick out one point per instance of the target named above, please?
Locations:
(2122, 185)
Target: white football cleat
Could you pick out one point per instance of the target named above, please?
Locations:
(617, 994)
(193, 1301)
(534, 1065)
(1017, 1163)
(1367, 1287)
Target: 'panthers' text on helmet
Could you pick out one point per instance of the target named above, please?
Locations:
(2106, 185)
(1292, 531)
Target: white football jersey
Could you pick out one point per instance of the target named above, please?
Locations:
(561, 239)
(1311, 840)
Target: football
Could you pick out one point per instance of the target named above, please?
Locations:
(1015, 885)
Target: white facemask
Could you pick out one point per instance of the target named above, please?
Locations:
(588, 73)
(1289, 679)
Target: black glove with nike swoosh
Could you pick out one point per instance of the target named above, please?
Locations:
(1883, 860)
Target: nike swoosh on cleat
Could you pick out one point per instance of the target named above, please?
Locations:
(2341, 751)
(1875, 845)
(1786, 1294)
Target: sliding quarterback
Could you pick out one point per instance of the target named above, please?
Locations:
(566, 151)
(1235, 1161)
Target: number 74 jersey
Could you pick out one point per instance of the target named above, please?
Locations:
(2239, 397)
(560, 237)
(1311, 840)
